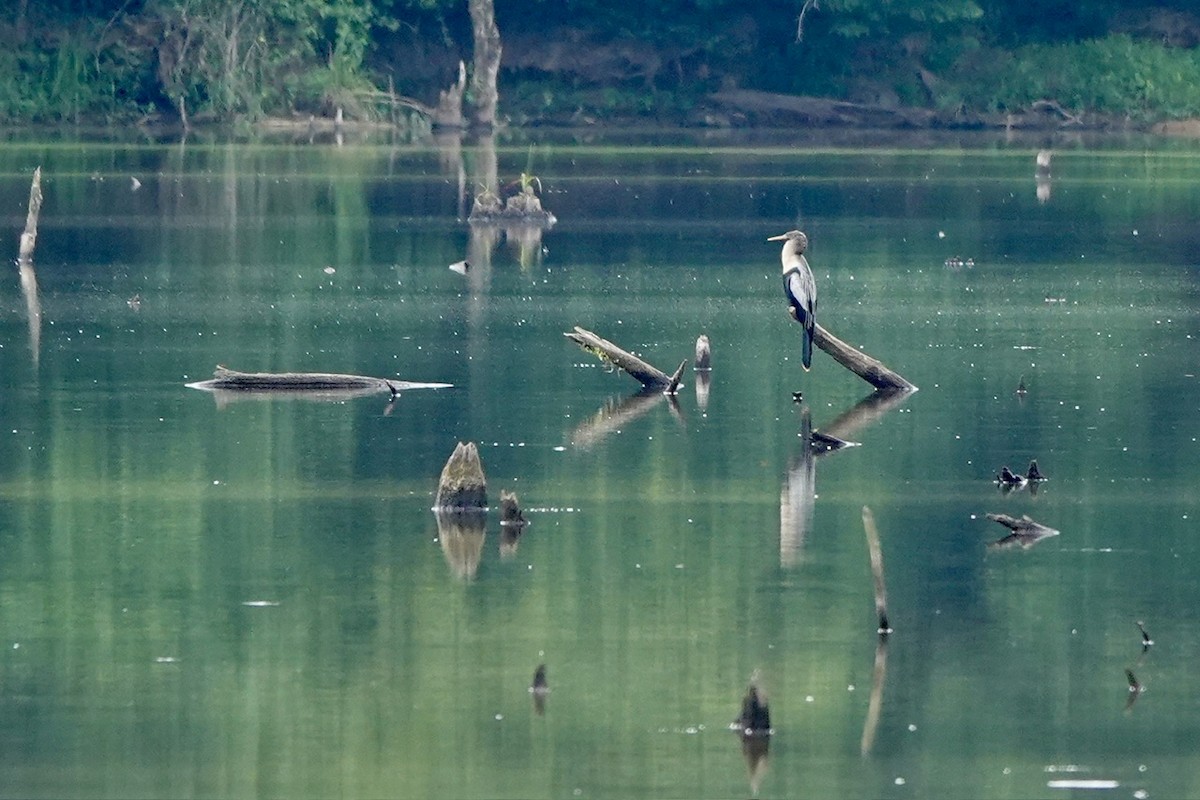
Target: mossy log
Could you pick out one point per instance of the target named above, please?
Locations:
(646, 374)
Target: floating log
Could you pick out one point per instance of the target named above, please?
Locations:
(1025, 532)
(232, 380)
(869, 369)
(1022, 525)
(462, 485)
(649, 376)
(29, 236)
(876, 554)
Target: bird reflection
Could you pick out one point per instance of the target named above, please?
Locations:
(798, 498)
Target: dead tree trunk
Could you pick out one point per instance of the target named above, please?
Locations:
(29, 236)
(649, 376)
(485, 64)
(449, 110)
(869, 369)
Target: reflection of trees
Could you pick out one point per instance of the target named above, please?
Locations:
(461, 535)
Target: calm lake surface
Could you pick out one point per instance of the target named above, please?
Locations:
(206, 596)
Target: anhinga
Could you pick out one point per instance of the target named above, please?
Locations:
(800, 287)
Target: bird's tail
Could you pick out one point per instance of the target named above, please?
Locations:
(806, 350)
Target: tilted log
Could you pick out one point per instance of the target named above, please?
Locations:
(869, 369)
(649, 376)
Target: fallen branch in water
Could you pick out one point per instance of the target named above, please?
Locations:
(649, 376)
(232, 380)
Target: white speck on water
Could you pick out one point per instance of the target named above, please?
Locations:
(808, 698)
(1007, 771)
(559, 449)
(900, 781)
(850, 688)
(16, 645)
(1141, 794)
(911, 727)
(261, 603)
(216, 483)
(499, 717)
(166, 660)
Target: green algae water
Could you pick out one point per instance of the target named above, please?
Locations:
(249, 597)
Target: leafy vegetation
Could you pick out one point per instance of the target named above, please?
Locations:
(570, 59)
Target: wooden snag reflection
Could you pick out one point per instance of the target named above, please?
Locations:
(876, 554)
(28, 278)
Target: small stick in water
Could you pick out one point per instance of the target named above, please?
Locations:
(1146, 640)
(876, 554)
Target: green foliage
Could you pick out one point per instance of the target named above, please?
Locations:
(1113, 75)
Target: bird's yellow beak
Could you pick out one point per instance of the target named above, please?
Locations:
(778, 238)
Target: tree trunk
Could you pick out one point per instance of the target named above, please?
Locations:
(486, 64)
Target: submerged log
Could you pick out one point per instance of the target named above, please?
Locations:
(869, 369)
(649, 376)
(232, 380)
(462, 485)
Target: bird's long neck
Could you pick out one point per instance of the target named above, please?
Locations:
(790, 257)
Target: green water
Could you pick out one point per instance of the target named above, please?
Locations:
(252, 598)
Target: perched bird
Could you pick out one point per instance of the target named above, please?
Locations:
(799, 287)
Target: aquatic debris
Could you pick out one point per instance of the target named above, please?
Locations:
(1146, 640)
(232, 380)
(1007, 477)
(1033, 474)
(510, 510)
(1021, 390)
(755, 716)
(461, 267)
(1025, 532)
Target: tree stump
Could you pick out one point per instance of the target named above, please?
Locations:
(462, 486)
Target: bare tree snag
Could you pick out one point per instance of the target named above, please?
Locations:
(649, 376)
(449, 110)
(462, 486)
(869, 369)
(29, 237)
(486, 63)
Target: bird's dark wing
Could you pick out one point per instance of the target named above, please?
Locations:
(801, 291)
